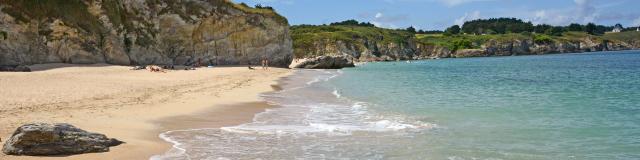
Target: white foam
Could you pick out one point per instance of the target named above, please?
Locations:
(315, 80)
(335, 93)
(300, 117)
(176, 150)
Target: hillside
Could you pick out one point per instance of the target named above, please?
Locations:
(379, 44)
(214, 32)
(365, 43)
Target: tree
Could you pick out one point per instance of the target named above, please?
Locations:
(618, 25)
(574, 27)
(590, 28)
(541, 28)
(600, 29)
(411, 29)
(555, 31)
(352, 22)
(490, 31)
(499, 25)
(4, 35)
(455, 29)
(259, 6)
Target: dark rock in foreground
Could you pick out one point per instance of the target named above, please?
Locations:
(41, 139)
(327, 62)
(19, 68)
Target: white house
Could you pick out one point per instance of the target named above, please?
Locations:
(617, 29)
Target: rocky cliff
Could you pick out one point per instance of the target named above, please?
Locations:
(378, 44)
(364, 49)
(361, 43)
(181, 32)
(529, 47)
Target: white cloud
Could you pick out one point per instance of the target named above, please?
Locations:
(636, 22)
(452, 3)
(583, 12)
(385, 21)
(467, 17)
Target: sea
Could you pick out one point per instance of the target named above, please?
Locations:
(582, 106)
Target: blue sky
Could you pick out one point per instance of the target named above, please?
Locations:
(439, 14)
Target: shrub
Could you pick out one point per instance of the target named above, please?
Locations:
(542, 39)
(4, 35)
(461, 44)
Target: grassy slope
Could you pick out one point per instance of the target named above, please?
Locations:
(478, 40)
(75, 12)
(72, 12)
(304, 37)
(267, 12)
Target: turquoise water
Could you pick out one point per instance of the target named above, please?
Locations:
(565, 106)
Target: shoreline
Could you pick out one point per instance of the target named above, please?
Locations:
(133, 106)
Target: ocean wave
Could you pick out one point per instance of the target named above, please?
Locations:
(336, 93)
(306, 112)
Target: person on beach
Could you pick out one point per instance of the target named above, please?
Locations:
(264, 64)
(250, 68)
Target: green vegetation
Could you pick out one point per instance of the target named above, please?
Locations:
(496, 25)
(467, 41)
(72, 12)
(630, 36)
(352, 22)
(455, 42)
(514, 25)
(259, 9)
(455, 29)
(4, 35)
(542, 39)
(306, 36)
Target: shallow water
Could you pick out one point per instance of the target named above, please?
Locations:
(568, 106)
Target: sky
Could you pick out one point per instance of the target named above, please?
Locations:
(440, 14)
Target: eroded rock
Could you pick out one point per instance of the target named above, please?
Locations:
(41, 139)
(327, 62)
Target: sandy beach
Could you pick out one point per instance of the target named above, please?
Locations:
(132, 106)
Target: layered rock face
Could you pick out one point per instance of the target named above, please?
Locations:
(527, 47)
(327, 62)
(365, 50)
(165, 32)
(55, 139)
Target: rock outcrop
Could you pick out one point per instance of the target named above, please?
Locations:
(379, 44)
(163, 32)
(20, 68)
(327, 62)
(470, 53)
(409, 51)
(55, 139)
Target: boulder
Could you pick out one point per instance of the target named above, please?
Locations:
(22, 68)
(327, 62)
(7, 68)
(41, 139)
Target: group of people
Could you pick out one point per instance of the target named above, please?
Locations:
(155, 68)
